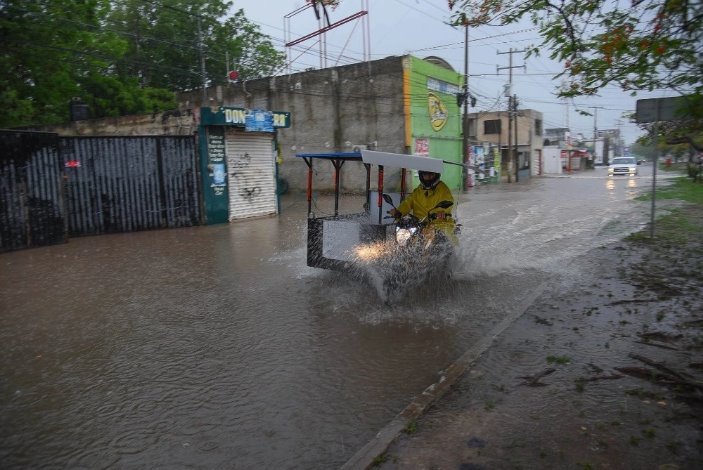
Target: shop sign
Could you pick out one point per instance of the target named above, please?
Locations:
(258, 121)
(442, 86)
(251, 119)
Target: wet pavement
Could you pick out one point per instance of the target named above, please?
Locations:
(216, 347)
(602, 371)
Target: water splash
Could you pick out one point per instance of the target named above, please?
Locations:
(396, 273)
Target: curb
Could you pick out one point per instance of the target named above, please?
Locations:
(366, 457)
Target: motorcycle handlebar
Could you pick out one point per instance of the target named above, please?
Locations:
(429, 216)
(434, 216)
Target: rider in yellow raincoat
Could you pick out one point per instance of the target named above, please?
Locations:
(425, 197)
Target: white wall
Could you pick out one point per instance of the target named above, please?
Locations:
(552, 160)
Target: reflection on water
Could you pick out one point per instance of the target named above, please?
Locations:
(216, 346)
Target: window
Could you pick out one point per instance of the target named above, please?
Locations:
(538, 127)
(491, 127)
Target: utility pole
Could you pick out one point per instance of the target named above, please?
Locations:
(517, 155)
(595, 133)
(466, 99)
(512, 107)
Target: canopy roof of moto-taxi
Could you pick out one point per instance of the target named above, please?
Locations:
(368, 157)
(414, 162)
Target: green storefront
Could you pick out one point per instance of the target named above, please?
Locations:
(432, 115)
(238, 162)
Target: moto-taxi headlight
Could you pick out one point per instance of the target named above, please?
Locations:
(402, 235)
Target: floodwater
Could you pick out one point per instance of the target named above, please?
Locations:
(217, 347)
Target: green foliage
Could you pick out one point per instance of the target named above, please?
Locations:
(379, 460)
(562, 360)
(411, 428)
(166, 46)
(680, 225)
(641, 45)
(13, 107)
(683, 189)
(118, 56)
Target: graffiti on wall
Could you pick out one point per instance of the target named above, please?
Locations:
(241, 175)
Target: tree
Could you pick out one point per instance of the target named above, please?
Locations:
(55, 51)
(37, 61)
(251, 53)
(639, 46)
(118, 56)
(169, 39)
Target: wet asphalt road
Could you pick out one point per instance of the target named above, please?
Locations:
(216, 347)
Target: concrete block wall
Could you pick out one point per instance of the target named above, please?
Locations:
(332, 110)
(172, 122)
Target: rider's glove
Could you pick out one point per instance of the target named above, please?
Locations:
(394, 213)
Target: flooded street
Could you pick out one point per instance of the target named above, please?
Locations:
(217, 347)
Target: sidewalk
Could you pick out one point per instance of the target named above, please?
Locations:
(603, 371)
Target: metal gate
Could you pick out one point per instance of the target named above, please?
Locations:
(31, 204)
(252, 169)
(125, 184)
(52, 187)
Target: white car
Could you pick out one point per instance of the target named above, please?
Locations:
(626, 166)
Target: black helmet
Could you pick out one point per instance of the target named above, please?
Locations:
(428, 180)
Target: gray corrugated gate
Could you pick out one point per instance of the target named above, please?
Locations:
(54, 186)
(31, 203)
(124, 184)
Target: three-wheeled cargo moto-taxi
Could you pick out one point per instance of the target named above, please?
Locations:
(363, 242)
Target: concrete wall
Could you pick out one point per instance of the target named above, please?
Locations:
(332, 110)
(174, 122)
(552, 160)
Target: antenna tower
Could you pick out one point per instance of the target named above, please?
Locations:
(325, 25)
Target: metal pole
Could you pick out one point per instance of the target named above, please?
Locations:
(595, 133)
(595, 136)
(379, 202)
(465, 117)
(517, 156)
(655, 161)
(510, 138)
(511, 106)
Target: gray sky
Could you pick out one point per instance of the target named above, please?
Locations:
(418, 27)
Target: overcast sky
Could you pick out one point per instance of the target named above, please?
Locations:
(419, 27)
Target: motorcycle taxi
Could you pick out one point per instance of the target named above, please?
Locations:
(388, 253)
